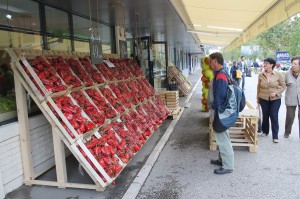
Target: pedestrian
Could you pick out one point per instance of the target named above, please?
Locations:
(269, 89)
(243, 66)
(292, 96)
(236, 73)
(225, 66)
(217, 97)
(255, 65)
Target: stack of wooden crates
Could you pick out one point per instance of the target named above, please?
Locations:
(171, 99)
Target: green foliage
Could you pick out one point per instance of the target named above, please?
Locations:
(285, 36)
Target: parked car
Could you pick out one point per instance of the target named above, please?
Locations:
(285, 66)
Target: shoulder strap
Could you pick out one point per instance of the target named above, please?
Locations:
(227, 75)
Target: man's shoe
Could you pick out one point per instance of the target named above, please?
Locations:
(286, 136)
(221, 171)
(264, 135)
(216, 162)
(275, 140)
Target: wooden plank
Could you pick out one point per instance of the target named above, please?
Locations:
(241, 140)
(69, 185)
(242, 144)
(25, 140)
(60, 158)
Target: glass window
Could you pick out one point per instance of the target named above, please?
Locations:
(57, 22)
(7, 90)
(22, 40)
(21, 14)
(82, 46)
(130, 42)
(7, 94)
(55, 43)
(81, 31)
(81, 27)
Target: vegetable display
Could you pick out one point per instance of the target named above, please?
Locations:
(106, 112)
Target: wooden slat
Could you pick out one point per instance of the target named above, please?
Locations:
(60, 158)
(24, 129)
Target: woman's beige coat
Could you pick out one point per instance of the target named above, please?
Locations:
(276, 85)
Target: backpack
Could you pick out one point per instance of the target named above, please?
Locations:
(240, 96)
(238, 73)
(227, 114)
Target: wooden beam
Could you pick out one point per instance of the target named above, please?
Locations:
(60, 158)
(24, 129)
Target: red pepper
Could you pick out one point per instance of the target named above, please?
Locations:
(89, 125)
(82, 128)
(92, 143)
(69, 116)
(74, 124)
(97, 151)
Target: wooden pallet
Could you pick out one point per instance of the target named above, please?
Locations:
(174, 113)
(243, 133)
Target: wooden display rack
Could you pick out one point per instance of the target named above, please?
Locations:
(43, 98)
(243, 133)
(184, 85)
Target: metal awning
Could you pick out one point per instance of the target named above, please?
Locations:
(231, 23)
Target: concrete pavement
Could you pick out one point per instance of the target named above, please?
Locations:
(183, 169)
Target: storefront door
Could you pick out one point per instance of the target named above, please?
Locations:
(159, 50)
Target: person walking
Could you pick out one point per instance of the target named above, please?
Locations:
(217, 97)
(269, 89)
(243, 66)
(255, 65)
(236, 73)
(292, 95)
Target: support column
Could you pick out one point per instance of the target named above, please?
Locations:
(60, 158)
(21, 98)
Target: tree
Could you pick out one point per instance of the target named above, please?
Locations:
(285, 36)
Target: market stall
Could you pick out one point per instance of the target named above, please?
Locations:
(103, 113)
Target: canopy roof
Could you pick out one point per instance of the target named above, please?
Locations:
(230, 23)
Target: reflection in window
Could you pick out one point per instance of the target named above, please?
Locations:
(55, 43)
(21, 14)
(130, 42)
(57, 21)
(81, 46)
(159, 66)
(20, 40)
(81, 31)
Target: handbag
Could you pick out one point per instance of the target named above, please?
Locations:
(238, 74)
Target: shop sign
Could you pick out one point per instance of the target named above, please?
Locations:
(96, 50)
(282, 56)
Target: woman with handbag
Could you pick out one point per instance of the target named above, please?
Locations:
(292, 95)
(269, 89)
(236, 73)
